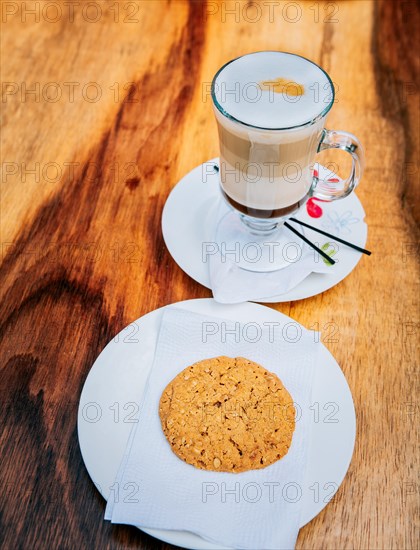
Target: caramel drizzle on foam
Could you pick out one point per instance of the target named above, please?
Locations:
(282, 86)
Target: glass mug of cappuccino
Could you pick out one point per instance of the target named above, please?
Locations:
(271, 109)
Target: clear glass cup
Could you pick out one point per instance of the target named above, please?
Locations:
(266, 171)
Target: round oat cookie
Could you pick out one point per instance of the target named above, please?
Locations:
(228, 415)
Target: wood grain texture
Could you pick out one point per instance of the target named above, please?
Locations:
(83, 255)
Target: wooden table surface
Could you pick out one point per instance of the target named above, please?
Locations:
(102, 112)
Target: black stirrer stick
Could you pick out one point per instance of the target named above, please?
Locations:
(293, 230)
(351, 245)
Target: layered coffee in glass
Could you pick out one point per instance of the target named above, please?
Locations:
(271, 108)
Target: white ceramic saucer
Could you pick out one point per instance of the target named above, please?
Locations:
(109, 405)
(195, 207)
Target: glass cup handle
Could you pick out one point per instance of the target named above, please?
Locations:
(330, 191)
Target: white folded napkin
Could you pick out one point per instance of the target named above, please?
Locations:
(258, 509)
(232, 284)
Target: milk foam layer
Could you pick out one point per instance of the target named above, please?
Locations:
(238, 93)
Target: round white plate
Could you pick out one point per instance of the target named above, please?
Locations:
(195, 206)
(117, 379)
